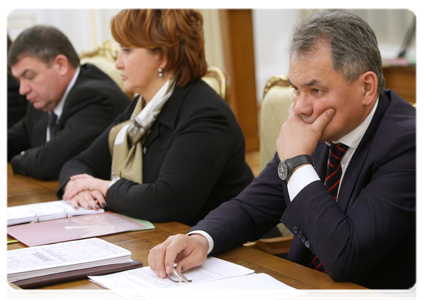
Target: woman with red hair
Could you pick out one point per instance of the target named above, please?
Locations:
(177, 151)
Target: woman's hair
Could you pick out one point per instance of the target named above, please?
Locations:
(177, 35)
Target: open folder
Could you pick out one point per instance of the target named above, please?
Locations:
(68, 229)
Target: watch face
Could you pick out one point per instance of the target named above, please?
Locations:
(282, 170)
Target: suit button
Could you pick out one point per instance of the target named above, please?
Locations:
(307, 244)
(295, 229)
(144, 150)
(303, 238)
(300, 234)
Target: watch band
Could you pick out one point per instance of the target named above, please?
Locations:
(287, 166)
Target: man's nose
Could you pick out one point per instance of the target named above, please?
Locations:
(302, 105)
(24, 87)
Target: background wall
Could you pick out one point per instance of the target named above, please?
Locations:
(271, 34)
(272, 29)
(87, 28)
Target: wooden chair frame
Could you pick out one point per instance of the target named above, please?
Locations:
(221, 78)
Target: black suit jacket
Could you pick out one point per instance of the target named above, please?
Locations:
(92, 104)
(16, 103)
(368, 236)
(194, 159)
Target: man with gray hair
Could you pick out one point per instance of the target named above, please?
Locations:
(71, 104)
(343, 179)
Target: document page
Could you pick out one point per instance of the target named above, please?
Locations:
(144, 278)
(254, 286)
(215, 279)
(49, 259)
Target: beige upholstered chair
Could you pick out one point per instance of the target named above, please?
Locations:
(217, 80)
(277, 97)
(104, 57)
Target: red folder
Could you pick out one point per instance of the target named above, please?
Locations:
(75, 228)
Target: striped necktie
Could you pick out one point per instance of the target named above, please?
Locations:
(334, 171)
(333, 178)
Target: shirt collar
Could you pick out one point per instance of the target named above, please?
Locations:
(353, 138)
(59, 108)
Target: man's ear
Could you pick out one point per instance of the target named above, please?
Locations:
(61, 63)
(370, 84)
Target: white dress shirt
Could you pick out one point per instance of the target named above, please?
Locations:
(59, 107)
(306, 174)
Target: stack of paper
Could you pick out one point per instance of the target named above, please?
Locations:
(44, 211)
(63, 258)
(214, 280)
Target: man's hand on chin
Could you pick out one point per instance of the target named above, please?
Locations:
(298, 137)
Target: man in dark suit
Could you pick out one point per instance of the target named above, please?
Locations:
(358, 227)
(71, 104)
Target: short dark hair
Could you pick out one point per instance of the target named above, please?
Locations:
(353, 44)
(44, 43)
(176, 34)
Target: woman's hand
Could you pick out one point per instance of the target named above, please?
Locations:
(96, 191)
(88, 200)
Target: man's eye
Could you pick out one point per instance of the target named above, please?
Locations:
(29, 77)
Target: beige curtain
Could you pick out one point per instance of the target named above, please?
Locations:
(213, 38)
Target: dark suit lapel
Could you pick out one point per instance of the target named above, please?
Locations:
(358, 160)
(169, 114)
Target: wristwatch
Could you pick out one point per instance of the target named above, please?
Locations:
(286, 166)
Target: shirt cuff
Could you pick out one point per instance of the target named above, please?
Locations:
(302, 177)
(114, 180)
(207, 236)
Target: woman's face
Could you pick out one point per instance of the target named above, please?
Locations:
(139, 71)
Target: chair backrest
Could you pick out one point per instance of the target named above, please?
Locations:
(277, 97)
(104, 57)
(217, 79)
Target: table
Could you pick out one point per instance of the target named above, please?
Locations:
(25, 190)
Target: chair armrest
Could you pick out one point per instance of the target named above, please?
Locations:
(276, 245)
